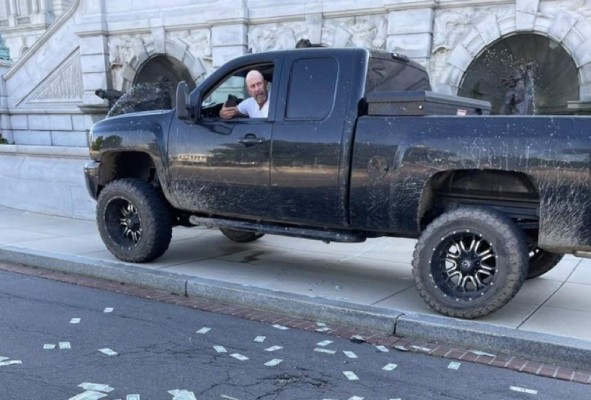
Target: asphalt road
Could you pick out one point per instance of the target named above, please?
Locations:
(62, 341)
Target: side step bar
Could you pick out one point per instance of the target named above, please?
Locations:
(284, 230)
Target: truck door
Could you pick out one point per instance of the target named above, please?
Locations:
(219, 166)
(309, 159)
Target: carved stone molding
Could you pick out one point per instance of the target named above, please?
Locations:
(452, 54)
(127, 53)
(360, 31)
(64, 85)
(277, 36)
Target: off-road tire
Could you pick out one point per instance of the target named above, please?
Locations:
(134, 220)
(490, 265)
(541, 261)
(241, 236)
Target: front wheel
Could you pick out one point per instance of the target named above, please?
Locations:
(134, 220)
(470, 262)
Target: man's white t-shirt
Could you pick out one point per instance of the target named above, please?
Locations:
(251, 108)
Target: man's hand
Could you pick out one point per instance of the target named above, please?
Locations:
(229, 112)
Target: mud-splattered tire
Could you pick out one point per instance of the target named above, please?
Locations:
(241, 236)
(541, 261)
(134, 220)
(470, 262)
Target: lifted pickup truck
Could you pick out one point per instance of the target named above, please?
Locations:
(355, 146)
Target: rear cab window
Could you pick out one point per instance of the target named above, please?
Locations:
(390, 72)
(312, 87)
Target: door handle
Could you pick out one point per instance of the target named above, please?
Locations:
(251, 139)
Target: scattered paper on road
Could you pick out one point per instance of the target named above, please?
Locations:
(390, 367)
(182, 395)
(454, 365)
(420, 348)
(260, 339)
(523, 390)
(108, 352)
(204, 330)
(108, 310)
(97, 387)
(64, 345)
(48, 346)
(273, 362)
(75, 321)
(239, 356)
(383, 349)
(351, 375)
(220, 349)
(274, 348)
(280, 327)
(327, 351)
(88, 395)
(10, 362)
(481, 353)
(350, 354)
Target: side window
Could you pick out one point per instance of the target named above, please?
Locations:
(312, 86)
(232, 89)
(234, 85)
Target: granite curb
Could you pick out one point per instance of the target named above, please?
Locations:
(545, 348)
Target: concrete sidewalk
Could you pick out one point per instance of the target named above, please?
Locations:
(366, 284)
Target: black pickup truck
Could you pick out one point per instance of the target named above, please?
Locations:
(355, 146)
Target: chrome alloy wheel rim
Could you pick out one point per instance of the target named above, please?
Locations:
(464, 265)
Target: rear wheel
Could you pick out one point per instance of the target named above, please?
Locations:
(470, 262)
(134, 220)
(241, 236)
(541, 261)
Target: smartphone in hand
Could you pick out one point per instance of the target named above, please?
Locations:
(232, 101)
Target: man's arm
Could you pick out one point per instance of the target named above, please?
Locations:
(230, 112)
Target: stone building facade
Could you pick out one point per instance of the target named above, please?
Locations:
(67, 49)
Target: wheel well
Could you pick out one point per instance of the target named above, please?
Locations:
(126, 165)
(512, 193)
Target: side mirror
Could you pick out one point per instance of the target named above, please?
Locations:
(182, 95)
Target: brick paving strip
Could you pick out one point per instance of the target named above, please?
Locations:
(390, 341)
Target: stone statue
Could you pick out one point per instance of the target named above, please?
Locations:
(110, 94)
(520, 97)
(142, 97)
(303, 43)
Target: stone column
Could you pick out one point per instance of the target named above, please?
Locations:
(410, 32)
(94, 58)
(228, 42)
(12, 8)
(12, 12)
(229, 33)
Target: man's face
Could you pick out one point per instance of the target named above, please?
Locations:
(257, 88)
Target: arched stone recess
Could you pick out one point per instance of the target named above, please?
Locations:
(143, 52)
(571, 31)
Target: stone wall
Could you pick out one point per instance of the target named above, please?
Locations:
(47, 95)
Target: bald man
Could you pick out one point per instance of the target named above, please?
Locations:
(257, 105)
